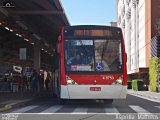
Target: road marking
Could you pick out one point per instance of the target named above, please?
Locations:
(25, 109)
(111, 110)
(80, 110)
(52, 109)
(138, 109)
(157, 107)
(144, 97)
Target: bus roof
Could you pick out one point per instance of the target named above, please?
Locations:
(91, 27)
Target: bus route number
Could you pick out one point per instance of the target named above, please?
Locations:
(108, 77)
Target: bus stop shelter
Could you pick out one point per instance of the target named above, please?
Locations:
(29, 30)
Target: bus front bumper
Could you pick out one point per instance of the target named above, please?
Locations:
(93, 91)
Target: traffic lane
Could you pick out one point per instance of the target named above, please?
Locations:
(84, 116)
(93, 106)
(66, 117)
(136, 101)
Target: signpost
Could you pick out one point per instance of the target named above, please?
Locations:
(22, 53)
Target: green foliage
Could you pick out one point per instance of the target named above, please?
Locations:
(134, 85)
(137, 84)
(154, 69)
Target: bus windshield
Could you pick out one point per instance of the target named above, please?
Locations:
(99, 55)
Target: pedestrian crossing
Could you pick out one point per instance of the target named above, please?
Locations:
(138, 109)
(158, 107)
(24, 109)
(81, 109)
(111, 110)
(52, 109)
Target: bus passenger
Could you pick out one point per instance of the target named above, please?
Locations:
(112, 58)
(75, 60)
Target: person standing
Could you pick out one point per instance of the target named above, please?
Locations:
(35, 82)
(41, 82)
(47, 81)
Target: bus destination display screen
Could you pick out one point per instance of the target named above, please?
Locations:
(93, 33)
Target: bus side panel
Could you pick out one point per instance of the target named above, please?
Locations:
(64, 92)
(62, 72)
(123, 92)
(124, 63)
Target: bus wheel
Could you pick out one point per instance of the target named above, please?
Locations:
(108, 101)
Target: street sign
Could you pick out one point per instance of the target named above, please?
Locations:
(22, 53)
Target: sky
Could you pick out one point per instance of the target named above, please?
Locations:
(90, 12)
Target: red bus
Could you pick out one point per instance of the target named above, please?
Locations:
(91, 63)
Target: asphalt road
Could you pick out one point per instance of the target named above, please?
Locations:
(47, 108)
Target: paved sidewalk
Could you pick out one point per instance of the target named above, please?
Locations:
(146, 94)
(9, 100)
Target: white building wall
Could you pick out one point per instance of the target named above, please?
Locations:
(134, 32)
(142, 52)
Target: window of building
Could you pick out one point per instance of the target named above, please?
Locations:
(128, 2)
(128, 15)
(123, 11)
(119, 20)
(132, 61)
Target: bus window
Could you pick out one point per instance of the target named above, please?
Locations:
(79, 55)
(108, 55)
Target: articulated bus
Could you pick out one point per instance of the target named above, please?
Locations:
(91, 63)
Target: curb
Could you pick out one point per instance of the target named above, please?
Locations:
(15, 105)
(150, 97)
(6, 107)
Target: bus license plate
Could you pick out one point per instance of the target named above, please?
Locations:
(95, 88)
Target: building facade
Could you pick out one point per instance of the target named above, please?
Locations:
(138, 19)
(114, 24)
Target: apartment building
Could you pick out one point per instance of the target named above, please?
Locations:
(138, 19)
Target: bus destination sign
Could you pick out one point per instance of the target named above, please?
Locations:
(93, 33)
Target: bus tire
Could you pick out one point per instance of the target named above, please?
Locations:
(108, 101)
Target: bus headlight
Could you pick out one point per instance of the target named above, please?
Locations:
(70, 81)
(118, 81)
